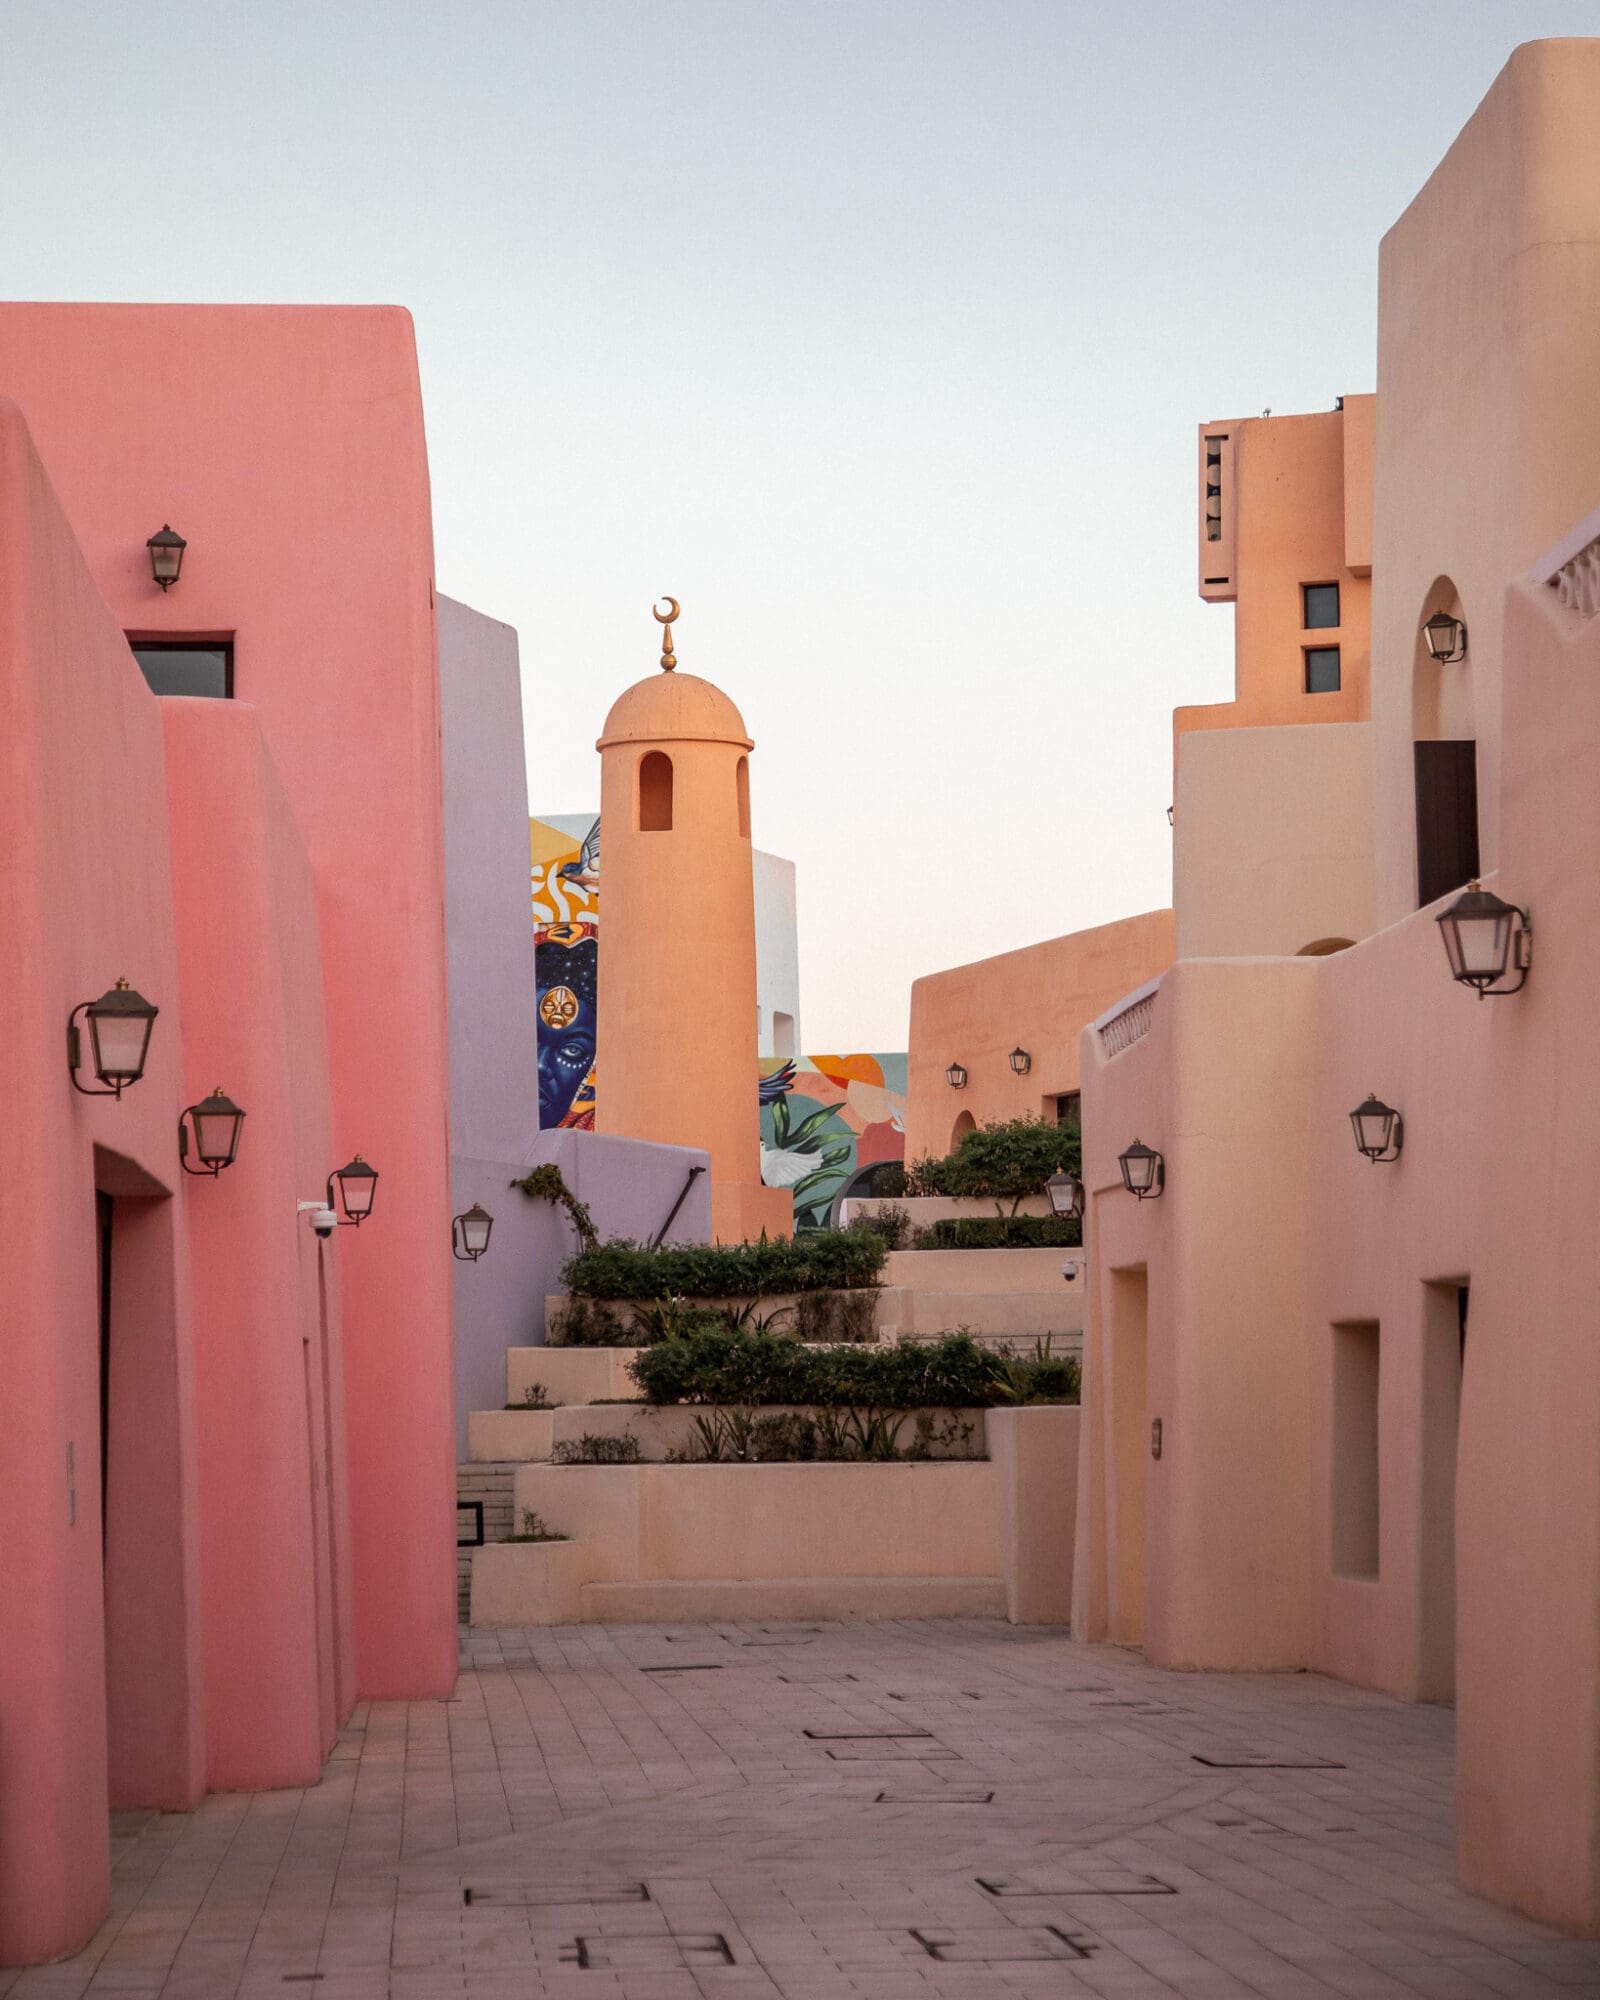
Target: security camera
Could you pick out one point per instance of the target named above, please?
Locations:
(1069, 1269)
(323, 1219)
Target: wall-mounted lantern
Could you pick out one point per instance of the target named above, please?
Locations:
(1380, 1130)
(215, 1121)
(1485, 939)
(956, 1076)
(1171, 819)
(119, 1038)
(1020, 1061)
(469, 1233)
(166, 555)
(1144, 1171)
(357, 1184)
(1066, 1193)
(1446, 638)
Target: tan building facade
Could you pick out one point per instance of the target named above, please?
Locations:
(1345, 1413)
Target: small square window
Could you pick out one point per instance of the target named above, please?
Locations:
(1322, 670)
(1321, 606)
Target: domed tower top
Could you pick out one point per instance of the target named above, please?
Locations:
(671, 707)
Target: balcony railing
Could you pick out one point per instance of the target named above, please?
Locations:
(1122, 1025)
(1572, 568)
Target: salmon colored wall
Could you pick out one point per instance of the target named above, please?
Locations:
(1219, 1260)
(677, 1013)
(1488, 331)
(286, 443)
(84, 899)
(277, 1651)
(1037, 999)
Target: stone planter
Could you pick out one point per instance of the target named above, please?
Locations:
(528, 1583)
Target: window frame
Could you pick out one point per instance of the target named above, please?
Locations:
(1307, 622)
(1306, 653)
(185, 642)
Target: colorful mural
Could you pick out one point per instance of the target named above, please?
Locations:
(824, 1118)
(565, 862)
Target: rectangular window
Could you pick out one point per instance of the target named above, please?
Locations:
(1321, 606)
(1322, 669)
(1447, 817)
(186, 666)
(1069, 1108)
(1355, 1450)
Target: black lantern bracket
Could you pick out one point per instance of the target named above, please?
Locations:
(120, 1002)
(470, 1233)
(352, 1211)
(217, 1105)
(1478, 905)
(1144, 1171)
(1380, 1130)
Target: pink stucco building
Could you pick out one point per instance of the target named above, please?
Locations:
(273, 1534)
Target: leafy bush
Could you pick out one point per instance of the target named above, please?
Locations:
(1040, 1377)
(1002, 1232)
(595, 1448)
(826, 1260)
(754, 1437)
(1000, 1162)
(728, 1367)
(891, 1223)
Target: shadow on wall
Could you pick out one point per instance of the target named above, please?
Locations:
(629, 1187)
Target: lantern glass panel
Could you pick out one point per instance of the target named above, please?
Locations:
(356, 1185)
(1373, 1127)
(1062, 1189)
(475, 1227)
(1138, 1168)
(120, 1041)
(216, 1133)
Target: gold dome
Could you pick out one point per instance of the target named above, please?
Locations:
(673, 708)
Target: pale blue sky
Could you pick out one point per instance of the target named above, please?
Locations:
(876, 333)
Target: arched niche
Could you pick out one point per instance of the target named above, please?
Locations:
(655, 792)
(1441, 691)
(742, 793)
(1444, 752)
(965, 1123)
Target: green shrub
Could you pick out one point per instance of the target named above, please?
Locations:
(728, 1367)
(1002, 1232)
(535, 1529)
(893, 1224)
(826, 1260)
(1040, 1377)
(596, 1448)
(1000, 1162)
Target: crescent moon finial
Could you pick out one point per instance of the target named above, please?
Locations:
(669, 659)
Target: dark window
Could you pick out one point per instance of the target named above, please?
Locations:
(1322, 670)
(1447, 817)
(1069, 1108)
(1322, 606)
(182, 666)
(655, 792)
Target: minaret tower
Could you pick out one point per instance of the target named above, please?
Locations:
(676, 1029)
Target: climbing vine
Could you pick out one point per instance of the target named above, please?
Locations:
(546, 1184)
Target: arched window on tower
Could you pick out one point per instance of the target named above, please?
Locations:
(965, 1123)
(655, 792)
(742, 784)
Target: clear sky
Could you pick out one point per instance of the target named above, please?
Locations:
(875, 331)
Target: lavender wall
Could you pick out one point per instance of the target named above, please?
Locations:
(494, 1078)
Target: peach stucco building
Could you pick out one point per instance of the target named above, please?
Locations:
(677, 1014)
(1345, 1414)
(273, 1535)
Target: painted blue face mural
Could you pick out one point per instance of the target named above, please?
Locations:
(567, 966)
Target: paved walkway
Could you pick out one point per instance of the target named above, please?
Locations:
(912, 1811)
